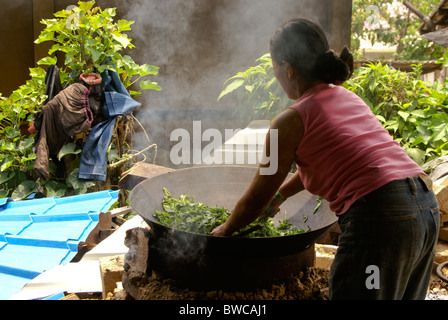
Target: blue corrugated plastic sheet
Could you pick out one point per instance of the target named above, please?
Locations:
(37, 235)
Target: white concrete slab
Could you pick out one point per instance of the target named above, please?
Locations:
(114, 244)
(82, 276)
(71, 278)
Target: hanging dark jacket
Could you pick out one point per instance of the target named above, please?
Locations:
(53, 86)
(66, 115)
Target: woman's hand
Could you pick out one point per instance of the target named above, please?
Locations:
(221, 231)
(274, 206)
(289, 128)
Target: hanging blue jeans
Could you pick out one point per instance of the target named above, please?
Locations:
(93, 164)
(387, 246)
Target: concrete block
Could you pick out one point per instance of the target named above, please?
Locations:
(441, 191)
(111, 273)
(324, 255)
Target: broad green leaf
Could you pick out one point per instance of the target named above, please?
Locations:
(25, 189)
(8, 161)
(86, 5)
(25, 144)
(69, 148)
(419, 113)
(391, 125)
(271, 82)
(63, 13)
(122, 39)
(80, 186)
(404, 114)
(5, 176)
(69, 56)
(440, 133)
(12, 132)
(249, 88)
(239, 75)
(96, 54)
(124, 25)
(373, 84)
(380, 118)
(105, 67)
(147, 69)
(55, 189)
(47, 61)
(4, 193)
(109, 12)
(15, 96)
(417, 141)
(231, 87)
(31, 157)
(135, 93)
(149, 85)
(45, 36)
(417, 155)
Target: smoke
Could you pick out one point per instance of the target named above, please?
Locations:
(198, 45)
(180, 245)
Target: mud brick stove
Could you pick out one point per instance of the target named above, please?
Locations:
(203, 263)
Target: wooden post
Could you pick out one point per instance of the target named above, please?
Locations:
(341, 26)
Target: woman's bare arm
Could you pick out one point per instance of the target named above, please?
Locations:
(255, 200)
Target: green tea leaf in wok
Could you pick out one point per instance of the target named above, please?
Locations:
(184, 214)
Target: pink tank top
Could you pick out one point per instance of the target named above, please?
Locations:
(345, 152)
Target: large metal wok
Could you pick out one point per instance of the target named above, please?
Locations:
(205, 260)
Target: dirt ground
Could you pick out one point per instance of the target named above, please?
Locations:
(311, 284)
(437, 290)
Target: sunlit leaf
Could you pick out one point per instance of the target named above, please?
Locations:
(147, 69)
(124, 25)
(231, 87)
(8, 161)
(69, 148)
(149, 85)
(47, 61)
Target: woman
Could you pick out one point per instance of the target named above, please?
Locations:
(386, 208)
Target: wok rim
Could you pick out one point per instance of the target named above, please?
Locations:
(439, 271)
(320, 230)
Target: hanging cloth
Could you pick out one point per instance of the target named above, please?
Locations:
(64, 116)
(53, 86)
(117, 101)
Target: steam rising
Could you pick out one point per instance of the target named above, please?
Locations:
(198, 45)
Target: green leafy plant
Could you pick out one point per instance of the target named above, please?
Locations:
(260, 95)
(16, 155)
(186, 215)
(92, 41)
(412, 110)
(87, 39)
